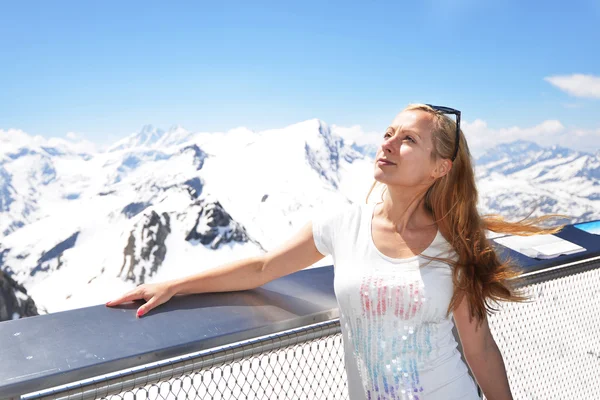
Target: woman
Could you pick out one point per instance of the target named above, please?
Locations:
(402, 266)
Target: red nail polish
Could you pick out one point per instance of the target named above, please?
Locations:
(140, 313)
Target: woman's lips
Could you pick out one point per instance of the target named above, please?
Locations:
(380, 162)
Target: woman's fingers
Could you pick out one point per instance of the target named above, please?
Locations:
(153, 302)
(135, 294)
(155, 294)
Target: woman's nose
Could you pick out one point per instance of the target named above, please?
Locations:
(389, 145)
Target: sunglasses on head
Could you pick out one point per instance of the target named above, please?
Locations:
(448, 110)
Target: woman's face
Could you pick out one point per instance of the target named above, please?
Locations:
(407, 143)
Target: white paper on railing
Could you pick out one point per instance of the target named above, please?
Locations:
(539, 246)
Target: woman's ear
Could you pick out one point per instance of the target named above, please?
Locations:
(443, 167)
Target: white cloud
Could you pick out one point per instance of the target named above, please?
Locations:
(478, 132)
(11, 140)
(578, 85)
(357, 134)
(72, 136)
(481, 137)
(77, 143)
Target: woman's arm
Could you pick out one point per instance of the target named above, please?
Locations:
(482, 354)
(298, 252)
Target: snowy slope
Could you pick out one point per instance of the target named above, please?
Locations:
(163, 204)
(520, 177)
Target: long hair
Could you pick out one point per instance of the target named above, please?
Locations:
(478, 273)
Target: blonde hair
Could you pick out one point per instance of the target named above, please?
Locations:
(478, 273)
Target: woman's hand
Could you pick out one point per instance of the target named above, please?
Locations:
(155, 294)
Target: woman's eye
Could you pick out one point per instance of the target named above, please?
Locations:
(408, 137)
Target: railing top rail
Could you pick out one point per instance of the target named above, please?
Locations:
(55, 349)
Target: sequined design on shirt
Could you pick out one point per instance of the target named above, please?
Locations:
(391, 341)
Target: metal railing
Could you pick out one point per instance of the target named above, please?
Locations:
(305, 363)
(550, 346)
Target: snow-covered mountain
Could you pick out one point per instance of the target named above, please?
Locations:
(519, 177)
(14, 301)
(78, 228)
(152, 137)
(28, 167)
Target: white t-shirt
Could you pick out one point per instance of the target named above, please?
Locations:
(398, 342)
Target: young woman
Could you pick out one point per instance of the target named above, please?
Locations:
(402, 267)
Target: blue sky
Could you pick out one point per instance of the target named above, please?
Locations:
(104, 69)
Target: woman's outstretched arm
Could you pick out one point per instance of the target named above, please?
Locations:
(297, 253)
(482, 354)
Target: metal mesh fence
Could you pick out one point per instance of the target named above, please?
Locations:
(550, 347)
(306, 363)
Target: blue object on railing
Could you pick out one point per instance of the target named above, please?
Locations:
(592, 227)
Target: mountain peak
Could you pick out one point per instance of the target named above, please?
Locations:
(176, 135)
(174, 128)
(520, 145)
(519, 155)
(312, 124)
(146, 137)
(509, 150)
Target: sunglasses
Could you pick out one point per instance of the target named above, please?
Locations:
(448, 110)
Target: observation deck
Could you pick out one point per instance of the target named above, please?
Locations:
(283, 340)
